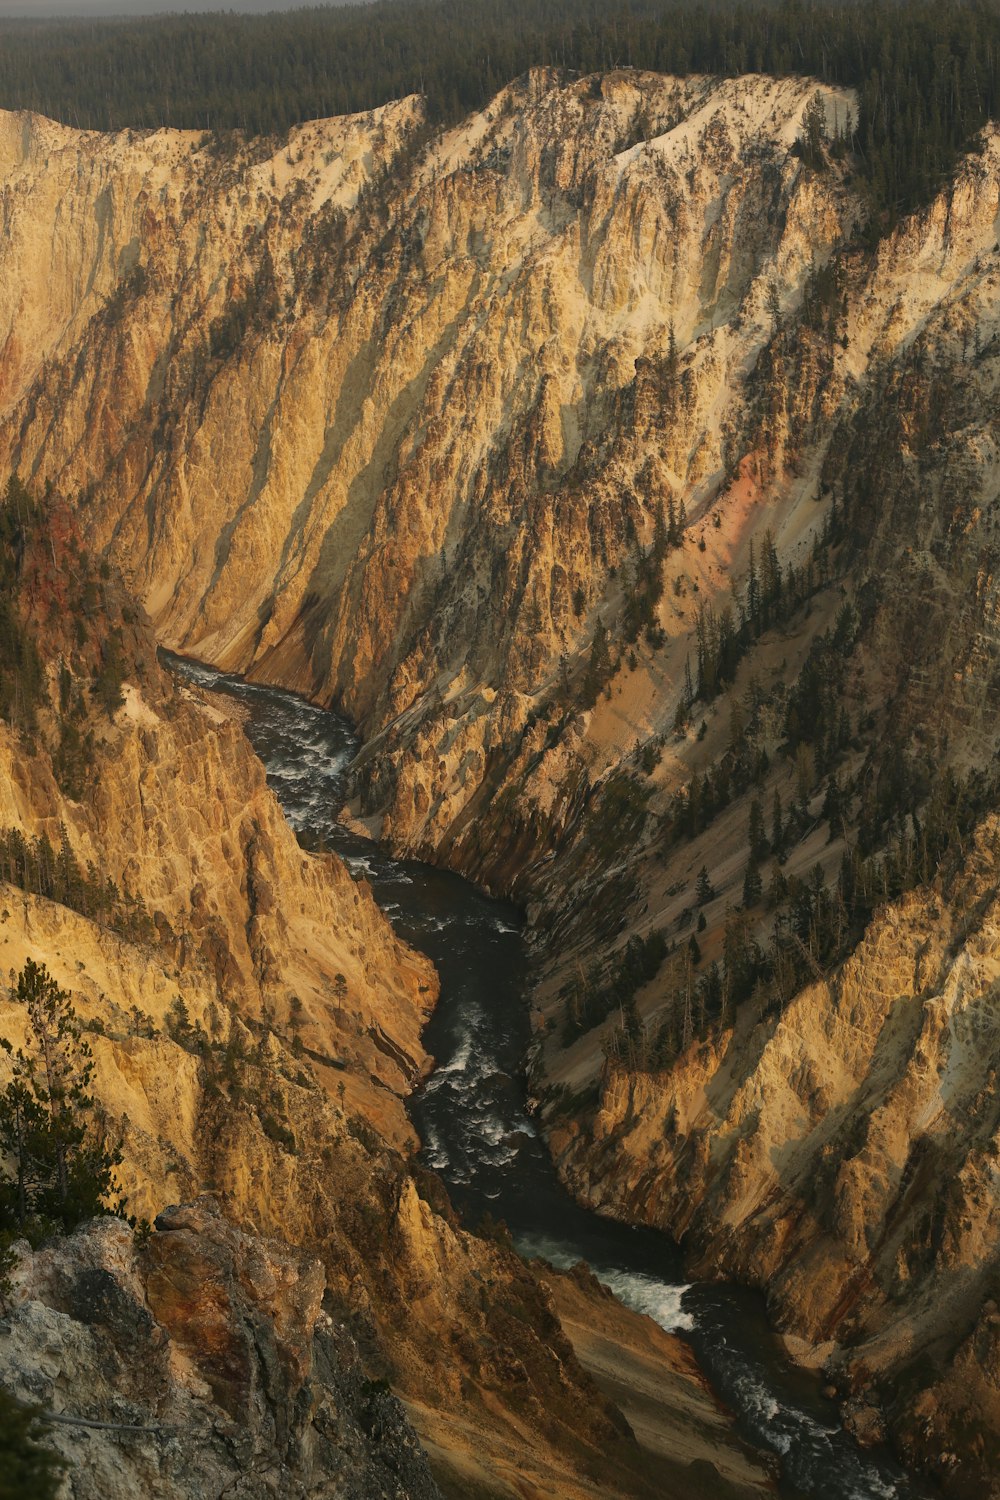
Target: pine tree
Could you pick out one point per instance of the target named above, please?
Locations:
(777, 887)
(753, 594)
(811, 144)
(680, 718)
(28, 1471)
(60, 1173)
(673, 534)
(770, 580)
(737, 725)
(805, 775)
(687, 1019)
(833, 806)
(752, 885)
(756, 837)
(661, 541)
(599, 666)
(777, 825)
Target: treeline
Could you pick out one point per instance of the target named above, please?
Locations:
(35, 866)
(927, 75)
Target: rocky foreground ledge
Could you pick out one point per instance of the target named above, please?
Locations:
(197, 1359)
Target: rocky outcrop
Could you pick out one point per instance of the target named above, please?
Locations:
(197, 1360)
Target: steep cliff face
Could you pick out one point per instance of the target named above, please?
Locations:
(254, 1025)
(852, 1115)
(155, 792)
(458, 1325)
(179, 259)
(394, 455)
(583, 456)
(391, 419)
(179, 813)
(844, 1154)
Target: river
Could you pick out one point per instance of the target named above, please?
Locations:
(472, 1117)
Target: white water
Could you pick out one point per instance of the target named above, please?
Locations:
(650, 1295)
(471, 1117)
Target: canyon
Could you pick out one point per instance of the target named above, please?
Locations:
(254, 1026)
(593, 459)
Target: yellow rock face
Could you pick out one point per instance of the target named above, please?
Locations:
(383, 418)
(387, 420)
(181, 815)
(844, 1155)
(253, 1035)
(373, 461)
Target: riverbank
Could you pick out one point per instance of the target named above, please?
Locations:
(655, 1381)
(688, 1448)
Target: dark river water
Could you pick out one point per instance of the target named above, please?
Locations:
(472, 1118)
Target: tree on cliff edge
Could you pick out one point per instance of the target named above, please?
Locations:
(58, 1172)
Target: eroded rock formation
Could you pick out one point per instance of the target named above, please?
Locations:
(398, 420)
(392, 456)
(254, 1025)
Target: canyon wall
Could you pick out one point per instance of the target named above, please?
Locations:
(254, 1026)
(391, 416)
(386, 434)
(206, 1362)
(606, 468)
(844, 1154)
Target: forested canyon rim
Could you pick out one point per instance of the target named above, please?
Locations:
(397, 420)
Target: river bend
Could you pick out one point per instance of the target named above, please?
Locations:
(478, 1136)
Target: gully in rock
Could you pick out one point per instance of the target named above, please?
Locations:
(472, 1116)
